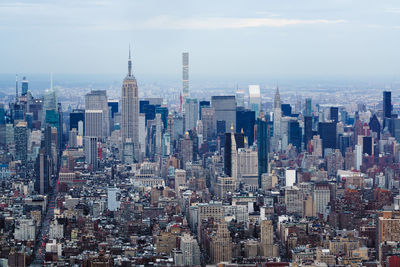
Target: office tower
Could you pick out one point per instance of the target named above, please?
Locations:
(180, 179)
(294, 134)
(308, 108)
(267, 238)
(130, 109)
(255, 99)
(233, 141)
(75, 116)
(73, 134)
(185, 76)
(368, 145)
(9, 133)
(286, 110)
(316, 146)
(158, 134)
(113, 104)
(262, 148)
(190, 250)
(203, 104)
(24, 86)
(186, 145)
(164, 115)
(43, 172)
(344, 142)
(321, 198)
(358, 157)
(375, 126)
(327, 132)
(394, 126)
(91, 151)
(209, 123)
(97, 100)
(334, 114)
(308, 132)
(2, 125)
(293, 196)
(128, 150)
(221, 244)
(240, 98)
(245, 121)
(225, 110)
(334, 162)
(113, 203)
(49, 101)
(94, 123)
(191, 113)
(21, 142)
(387, 105)
(142, 133)
(277, 121)
(247, 168)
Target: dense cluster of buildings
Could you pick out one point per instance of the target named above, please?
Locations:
(232, 180)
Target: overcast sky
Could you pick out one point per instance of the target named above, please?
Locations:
(224, 38)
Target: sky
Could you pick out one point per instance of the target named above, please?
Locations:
(225, 38)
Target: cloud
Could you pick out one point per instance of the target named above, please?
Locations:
(395, 10)
(207, 23)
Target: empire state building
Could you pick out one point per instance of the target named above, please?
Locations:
(130, 109)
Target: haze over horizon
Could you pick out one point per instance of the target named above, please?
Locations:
(225, 38)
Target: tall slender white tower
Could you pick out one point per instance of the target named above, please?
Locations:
(185, 76)
(130, 109)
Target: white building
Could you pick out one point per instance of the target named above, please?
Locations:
(94, 123)
(255, 98)
(25, 229)
(113, 195)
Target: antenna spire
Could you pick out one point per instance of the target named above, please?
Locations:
(51, 81)
(129, 63)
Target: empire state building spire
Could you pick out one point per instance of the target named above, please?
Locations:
(129, 63)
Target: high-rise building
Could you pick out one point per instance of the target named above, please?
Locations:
(203, 104)
(130, 109)
(43, 172)
(221, 244)
(308, 107)
(294, 135)
(255, 99)
(21, 142)
(91, 151)
(321, 198)
(327, 132)
(334, 114)
(245, 121)
(233, 141)
(24, 86)
(375, 126)
(94, 123)
(185, 76)
(388, 228)
(276, 142)
(262, 148)
(267, 239)
(49, 101)
(308, 132)
(225, 110)
(75, 116)
(209, 123)
(97, 100)
(191, 113)
(387, 104)
(190, 250)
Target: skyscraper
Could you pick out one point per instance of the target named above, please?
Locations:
(255, 98)
(387, 104)
(97, 100)
(75, 116)
(327, 131)
(91, 151)
(245, 120)
(24, 86)
(307, 130)
(308, 108)
(21, 142)
(262, 148)
(334, 114)
(276, 144)
(185, 76)
(130, 109)
(94, 123)
(191, 113)
(225, 110)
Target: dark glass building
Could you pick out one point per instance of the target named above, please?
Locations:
(203, 104)
(327, 132)
(164, 115)
(295, 134)
(262, 148)
(387, 104)
(375, 126)
(239, 139)
(74, 117)
(113, 105)
(245, 120)
(286, 110)
(334, 114)
(308, 132)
